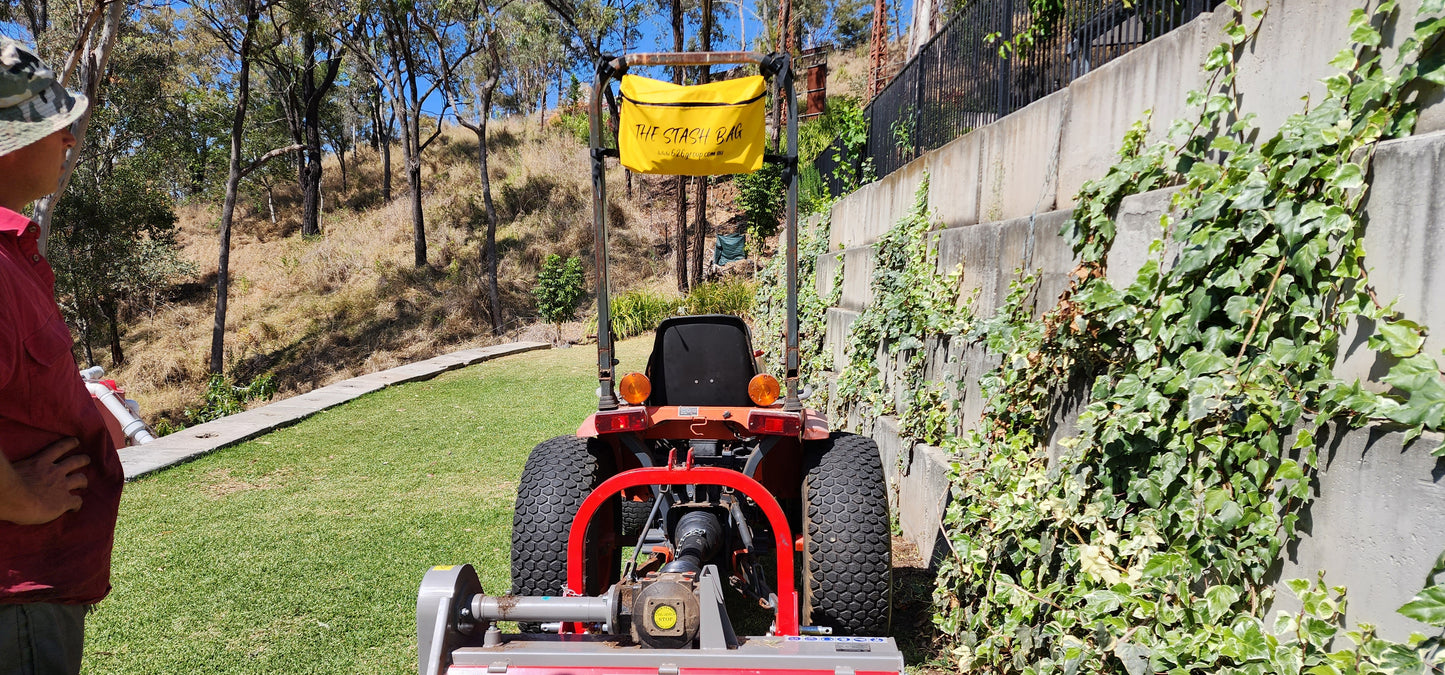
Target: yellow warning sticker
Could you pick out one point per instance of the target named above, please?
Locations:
(444, 568)
(665, 617)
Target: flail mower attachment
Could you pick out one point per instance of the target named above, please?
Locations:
(671, 621)
(458, 633)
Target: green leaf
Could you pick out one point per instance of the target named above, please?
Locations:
(1218, 600)
(1289, 469)
(1427, 607)
(1402, 338)
(1198, 363)
(1349, 176)
(1366, 35)
(1134, 657)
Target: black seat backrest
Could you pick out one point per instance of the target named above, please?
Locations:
(701, 360)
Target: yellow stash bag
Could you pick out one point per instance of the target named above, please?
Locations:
(704, 130)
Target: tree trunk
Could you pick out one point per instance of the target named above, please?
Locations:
(233, 182)
(341, 159)
(376, 124)
(700, 226)
(699, 241)
(681, 238)
(493, 294)
(386, 161)
(112, 316)
(418, 226)
(92, 71)
(311, 95)
(488, 88)
(677, 76)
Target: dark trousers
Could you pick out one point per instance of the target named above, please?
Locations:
(41, 639)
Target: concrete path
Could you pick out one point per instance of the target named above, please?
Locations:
(192, 442)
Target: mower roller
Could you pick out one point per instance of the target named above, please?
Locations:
(706, 465)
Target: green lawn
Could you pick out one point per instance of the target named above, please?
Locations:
(301, 551)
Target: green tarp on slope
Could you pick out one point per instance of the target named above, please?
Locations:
(729, 248)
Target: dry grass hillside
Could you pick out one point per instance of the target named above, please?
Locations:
(313, 311)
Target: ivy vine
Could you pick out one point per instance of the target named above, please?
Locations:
(1146, 545)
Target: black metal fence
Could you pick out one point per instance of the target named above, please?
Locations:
(959, 81)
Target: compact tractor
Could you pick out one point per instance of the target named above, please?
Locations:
(707, 466)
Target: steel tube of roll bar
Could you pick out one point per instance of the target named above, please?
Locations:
(686, 58)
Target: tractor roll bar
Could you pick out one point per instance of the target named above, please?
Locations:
(779, 68)
(685, 59)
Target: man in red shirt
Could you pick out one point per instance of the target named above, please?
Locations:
(60, 477)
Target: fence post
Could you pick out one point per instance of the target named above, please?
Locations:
(918, 80)
(1006, 11)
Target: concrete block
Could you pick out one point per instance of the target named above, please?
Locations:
(1104, 103)
(955, 178)
(1404, 245)
(1054, 259)
(1136, 228)
(357, 386)
(971, 362)
(1016, 153)
(1375, 527)
(824, 270)
(927, 490)
(863, 216)
(976, 248)
(836, 338)
(858, 264)
(1290, 57)
(1035, 246)
(473, 356)
(918, 485)
(891, 451)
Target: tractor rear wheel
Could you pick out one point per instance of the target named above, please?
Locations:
(634, 518)
(558, 475)
(847, 542)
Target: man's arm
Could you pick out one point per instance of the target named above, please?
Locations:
(37, 490)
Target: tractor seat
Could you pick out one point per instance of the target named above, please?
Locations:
(704, 360)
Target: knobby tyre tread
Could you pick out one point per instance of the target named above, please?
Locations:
(847, 556)
(558, 476)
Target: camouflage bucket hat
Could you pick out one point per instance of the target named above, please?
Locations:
(33, 105)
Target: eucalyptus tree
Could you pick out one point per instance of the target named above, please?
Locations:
(235, 24)
(113, 244)
(341, 123)
(536, 54)
(303, 67)
(470, 90)
(678, 41)
(82, 37)
(411, 35)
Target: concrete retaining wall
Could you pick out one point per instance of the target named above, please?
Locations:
(1002, 191)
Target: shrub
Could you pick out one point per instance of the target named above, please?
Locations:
(760, 196)
(575, 125)
(638, 312)
(223, 398)
(559, 288)
(733, 297)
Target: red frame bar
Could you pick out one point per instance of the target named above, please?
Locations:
(787, 609)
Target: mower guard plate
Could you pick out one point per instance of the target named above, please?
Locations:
(589, 654)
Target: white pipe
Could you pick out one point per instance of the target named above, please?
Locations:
(131, 424)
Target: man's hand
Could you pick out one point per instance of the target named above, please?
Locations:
(39, 489)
